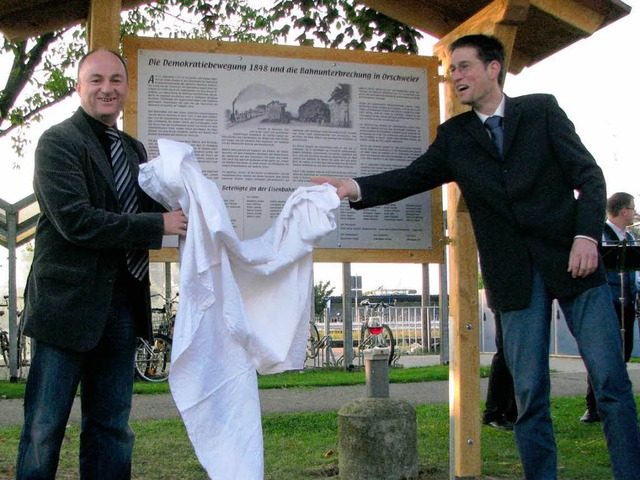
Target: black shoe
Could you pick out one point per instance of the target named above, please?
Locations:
(500, 425)
(590, 416)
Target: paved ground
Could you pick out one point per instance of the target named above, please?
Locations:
(568, 379)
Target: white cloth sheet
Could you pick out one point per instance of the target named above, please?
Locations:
(244, 307)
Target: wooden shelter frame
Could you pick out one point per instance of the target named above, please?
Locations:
(550, 25)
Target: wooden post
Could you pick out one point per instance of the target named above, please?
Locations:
(103, 31)
(347, 317)
(500, 18)
(103, 24)
(11, 216)
(425, 304)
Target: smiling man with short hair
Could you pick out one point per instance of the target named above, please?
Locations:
(87, 295)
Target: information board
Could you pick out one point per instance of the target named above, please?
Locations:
(262, 119)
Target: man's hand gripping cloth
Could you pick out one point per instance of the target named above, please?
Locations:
(244, 307)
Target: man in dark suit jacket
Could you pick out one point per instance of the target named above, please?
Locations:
(621, 212)
(83, 307)
(537, 242)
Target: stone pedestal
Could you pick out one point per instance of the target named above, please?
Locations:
(378, 440)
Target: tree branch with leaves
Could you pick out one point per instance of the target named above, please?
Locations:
(43, 68)
(321, 293)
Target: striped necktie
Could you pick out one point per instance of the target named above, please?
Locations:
(137, 260)
(494, 125)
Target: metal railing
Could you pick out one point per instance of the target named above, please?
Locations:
(415, 329)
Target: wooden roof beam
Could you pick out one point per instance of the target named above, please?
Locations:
(500, 18)
(497, 13)
(18, 24)
(103, 24)
(518, 61)
(20, 19)
(572, 13)
(415, 13)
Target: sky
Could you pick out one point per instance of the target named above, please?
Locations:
(594, 80)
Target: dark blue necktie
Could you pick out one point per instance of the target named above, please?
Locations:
(137, 260)
(494, 125)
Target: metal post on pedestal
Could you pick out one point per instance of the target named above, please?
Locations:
(621, 269)
(376, 368)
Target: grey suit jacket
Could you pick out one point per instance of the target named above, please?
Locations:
(524, 208)
(81, 236)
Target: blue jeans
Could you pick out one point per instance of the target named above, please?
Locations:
(593, 322)
(106, 378)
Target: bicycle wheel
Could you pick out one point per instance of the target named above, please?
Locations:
(4, 345)
(385, 339)
(312, 341)
(23, 352)
(389, 341)
(153, 360)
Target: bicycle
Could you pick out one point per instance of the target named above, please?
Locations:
(374, 332)
(164, 317)
(312, 341)
(4, 344)
(153, 359)
(315, 345)
(22, 354)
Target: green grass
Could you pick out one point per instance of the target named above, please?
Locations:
(321, 377)
(305, 446)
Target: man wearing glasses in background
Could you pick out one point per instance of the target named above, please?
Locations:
(621, 212)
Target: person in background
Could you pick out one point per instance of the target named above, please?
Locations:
(500, 408)
(87, 294)
(518, 163)
(621, 212)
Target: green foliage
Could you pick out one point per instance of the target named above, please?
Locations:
(321, 293)
(44, 67)
(341, 24)
(11, 390)
(312, 378)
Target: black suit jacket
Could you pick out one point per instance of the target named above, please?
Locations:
(81, 237)
(610, 237)
(524, 208)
